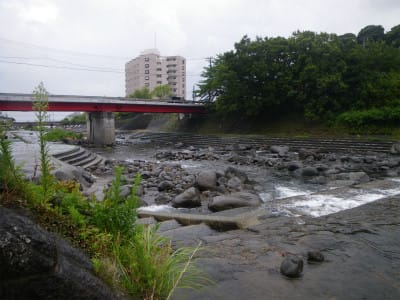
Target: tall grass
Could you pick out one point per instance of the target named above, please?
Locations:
(149, 268)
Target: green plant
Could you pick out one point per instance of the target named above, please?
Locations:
(40, 106)
(59, 134)
(11, 177)
(151, 269)
(115, 214)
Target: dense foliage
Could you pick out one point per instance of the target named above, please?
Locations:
(318, 74)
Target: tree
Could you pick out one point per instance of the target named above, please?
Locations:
(371, 33)
(393, 37)
(162, 91)
(143, 93)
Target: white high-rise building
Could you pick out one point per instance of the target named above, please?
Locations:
(150, 69)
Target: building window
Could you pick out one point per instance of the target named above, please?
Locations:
(159, 82)
(146, 84)
(146, 71)
(183, 61)
(146, 65)
(183, 67)
(159, 75)
(147, 78)
(146, 59)
(174, 90)
(183, 86)
(159, 69)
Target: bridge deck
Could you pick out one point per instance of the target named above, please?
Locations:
(23, 102)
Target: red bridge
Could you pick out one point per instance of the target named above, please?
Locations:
(100, 117)
(23, 102)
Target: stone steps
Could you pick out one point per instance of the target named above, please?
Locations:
(340, 145)
(79, 157)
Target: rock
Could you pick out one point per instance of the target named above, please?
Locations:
(280, 150)
(234, 200)
(359, 177)
(165, 186)
(315, 257)
(36, 264)
(234, 184)
(206, 180)
(294, 165)
(233, 172)
(395, 149)
(67, 172)
(292, 266)
(309, 171)
(162, 199)
(189, 198)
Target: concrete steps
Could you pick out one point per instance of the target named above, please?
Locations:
(337, 145)
(79, 157)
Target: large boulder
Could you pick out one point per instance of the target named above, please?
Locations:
(189, 198)
(233, 172)
(206, 180)
(395, 149)
(280, 150)
(309, 171)
(35, 264)
(234, 200)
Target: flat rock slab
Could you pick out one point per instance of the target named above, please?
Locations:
(361, 247)
(227, 221)
(188, 235)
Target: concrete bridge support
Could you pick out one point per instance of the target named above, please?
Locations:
(100, 128)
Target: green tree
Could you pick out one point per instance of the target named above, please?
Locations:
(143, 93)
(392, 37)
(162, 91)
(371, 33)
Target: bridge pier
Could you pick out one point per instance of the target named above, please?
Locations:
(100, 128)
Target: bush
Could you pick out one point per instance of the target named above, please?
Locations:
(374, 119)
(59, 134)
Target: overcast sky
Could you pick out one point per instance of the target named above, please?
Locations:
(101, 35)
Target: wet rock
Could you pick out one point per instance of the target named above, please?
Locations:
(162, 199)
(35, 264)
(206, 180)
(189, 198)
(165, 186)
(294, 165)
(395, 149)
(280, 150)
(309, 171)
(315, 257)
(292, 266)
(234, 184)
(231, 172)
(234, 200)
